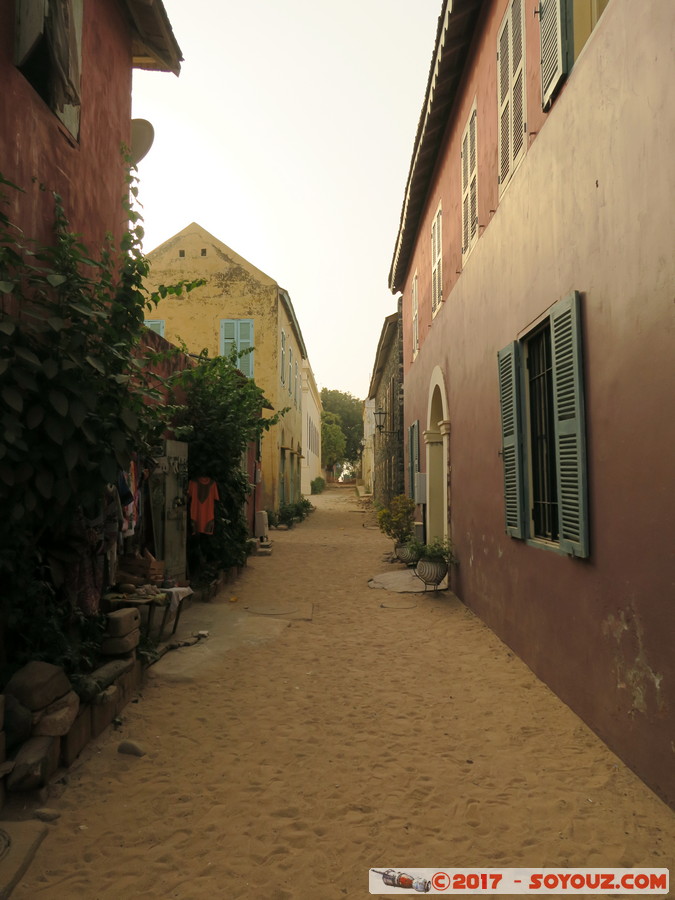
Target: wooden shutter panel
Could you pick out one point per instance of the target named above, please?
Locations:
(504, 98)
(283, 357)
(517, 80)
(465, 192)
(30, 26)
(245, 342)
(569, 419)
(509, 399)
(473, 178)
(553, 48)
(228, 336)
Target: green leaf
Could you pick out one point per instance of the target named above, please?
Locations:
(28, 356)
(78, 412)
(50, 367)
(59, 401)
(12, 397)
(57, 323)
(6, 287)
(62, 491)
(96, 364)
(7, 327)
(23, 472)
(7, 474)
(18, 511)
(56, 280)
(55, 430)
(44, 481)
(34, 416)
(24, 379)
(30, 501)
(4, 365)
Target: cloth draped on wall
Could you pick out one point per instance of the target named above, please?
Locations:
(202, 494)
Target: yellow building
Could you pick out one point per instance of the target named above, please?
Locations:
(239, 305)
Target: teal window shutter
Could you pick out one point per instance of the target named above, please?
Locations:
(553, 34)
(569, 418)
(283, 357)
(509, 399)
(411, 462)
(155, 325)
(245, 342)
(228, 336)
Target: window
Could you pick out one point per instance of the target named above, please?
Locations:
(48, 52)
(283, 357)
(237, 334)
(469, 185)
(290, 370)
(203, 251)
(155, 325)
(511, 91)
(543, 432)
(415, 317)
(181, 254)
(295, 385)
(565, 26)
(436, 262)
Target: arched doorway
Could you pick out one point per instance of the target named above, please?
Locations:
(437, 442)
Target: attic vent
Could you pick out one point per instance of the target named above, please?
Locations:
(203, 251)
(181, 253)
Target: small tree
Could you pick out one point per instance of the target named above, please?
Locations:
(397, 520)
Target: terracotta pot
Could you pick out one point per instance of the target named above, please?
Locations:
(431, 571)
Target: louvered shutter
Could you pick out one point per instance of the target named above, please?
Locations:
(517, 82)
(552, 16)
(465, 192)
(283, 357)
(509, 399)
(411, 463)
(434, 287)
(504, 99)
(245, 342)
(473, 179)
(228, 336)
(569, 420)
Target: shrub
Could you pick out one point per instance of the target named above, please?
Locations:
(397, 519)
(318, 485)
(287, 514)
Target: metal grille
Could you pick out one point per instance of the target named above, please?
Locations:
(542, 436)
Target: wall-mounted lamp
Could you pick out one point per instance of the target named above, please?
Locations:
(380, 417)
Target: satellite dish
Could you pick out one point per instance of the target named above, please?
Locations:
(142, 136)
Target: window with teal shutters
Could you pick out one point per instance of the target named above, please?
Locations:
(413, 456)
(283, 357)
(509, 396)
(554, 46)
(238, 333)
(521, 435)
(569, 420)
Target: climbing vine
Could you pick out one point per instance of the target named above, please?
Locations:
(75, 396)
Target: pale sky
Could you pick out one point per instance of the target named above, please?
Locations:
(288, 136)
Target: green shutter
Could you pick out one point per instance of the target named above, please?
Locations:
(552, 24)
(570, 439)
(509, 399)
(228, 336)
(245, 342)
(30, 26)
(413, 456)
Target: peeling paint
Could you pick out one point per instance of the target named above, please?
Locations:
(633, 671)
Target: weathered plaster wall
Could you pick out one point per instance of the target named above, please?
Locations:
(586, 210)
(36, 150)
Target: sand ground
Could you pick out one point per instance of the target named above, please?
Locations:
(324, 728)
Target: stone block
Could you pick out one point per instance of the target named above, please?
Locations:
(79, 735)
(18, 722)
(35, 763)
(103, 710)
(38, 684)
(58, 716)
(112, 646)
(122, 621)
(103, 677)
(128, 685)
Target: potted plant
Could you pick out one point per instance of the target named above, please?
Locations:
(397, 520)
(434, 560)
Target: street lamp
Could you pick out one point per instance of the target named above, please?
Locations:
(380, 416)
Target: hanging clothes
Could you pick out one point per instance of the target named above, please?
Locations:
(203, 493)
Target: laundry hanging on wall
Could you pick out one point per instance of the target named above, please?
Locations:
(203, 493)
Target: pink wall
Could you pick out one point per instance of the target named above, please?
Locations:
(36, 149)
(582, 212)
